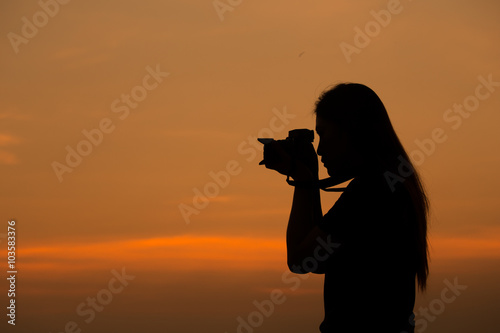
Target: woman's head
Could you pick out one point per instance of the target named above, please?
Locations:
(356, 137)
(355, 129)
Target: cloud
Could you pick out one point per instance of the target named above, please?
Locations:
(69, 52)
(7, 140)
(207, 253)
(465, 247)
(14, 116)
(8, 158)
(197, 133)
(176, 253)
(188, 200)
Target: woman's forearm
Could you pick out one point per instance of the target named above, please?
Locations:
(304, 216)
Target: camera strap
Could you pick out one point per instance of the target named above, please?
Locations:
(322, 184)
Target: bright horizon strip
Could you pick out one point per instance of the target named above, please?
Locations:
(180, 252)
(191, 252)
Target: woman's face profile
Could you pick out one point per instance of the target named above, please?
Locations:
(335, 149)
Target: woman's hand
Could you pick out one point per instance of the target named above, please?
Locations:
(302, 164)
(277, 158)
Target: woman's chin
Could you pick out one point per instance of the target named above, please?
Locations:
(331, 172)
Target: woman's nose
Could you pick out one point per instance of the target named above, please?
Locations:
(320, 150)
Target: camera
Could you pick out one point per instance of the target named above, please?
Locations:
(295, 138)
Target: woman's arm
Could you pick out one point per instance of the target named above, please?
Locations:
(303, 231)
(307, 245)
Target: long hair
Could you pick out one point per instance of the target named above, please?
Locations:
(358, 110)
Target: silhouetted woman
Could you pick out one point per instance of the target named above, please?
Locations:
(372, 244)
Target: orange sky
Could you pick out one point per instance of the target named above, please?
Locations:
(172, 96)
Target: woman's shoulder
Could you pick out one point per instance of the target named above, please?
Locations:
(372, 193)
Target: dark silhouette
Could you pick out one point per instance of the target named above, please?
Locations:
(372, 244)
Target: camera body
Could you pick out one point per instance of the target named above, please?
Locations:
(295, 138)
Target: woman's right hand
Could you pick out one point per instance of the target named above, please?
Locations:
(302, 166)
(277, 158)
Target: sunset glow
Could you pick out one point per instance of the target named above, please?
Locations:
(130, 161)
